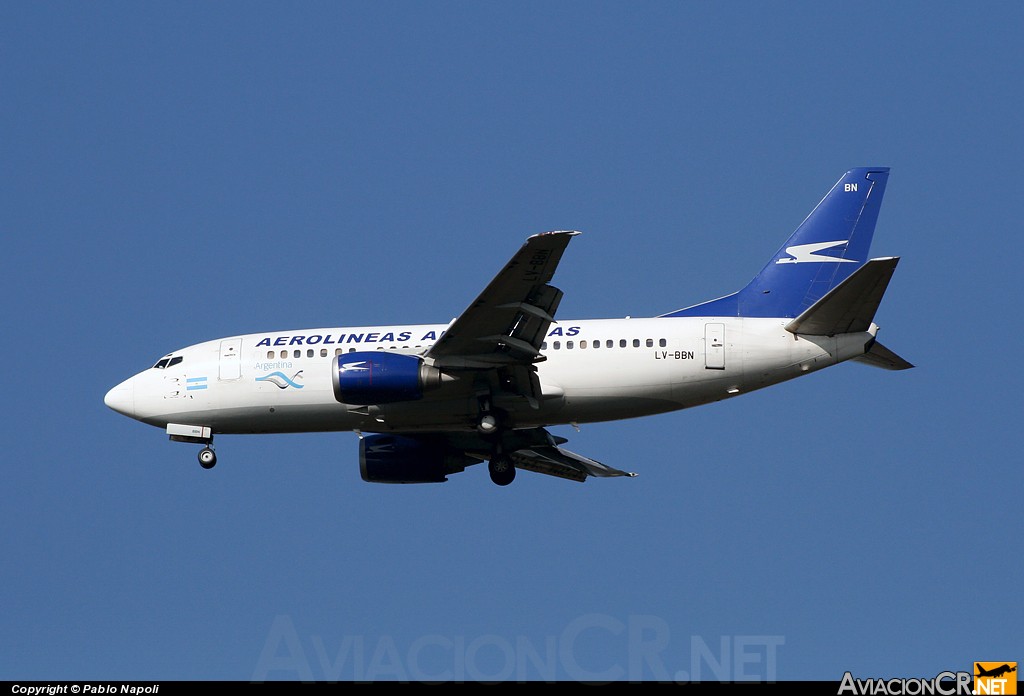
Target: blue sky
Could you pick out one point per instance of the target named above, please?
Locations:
(177, 172)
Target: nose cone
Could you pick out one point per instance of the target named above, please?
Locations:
(122, 398)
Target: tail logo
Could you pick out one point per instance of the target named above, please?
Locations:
(808, 253)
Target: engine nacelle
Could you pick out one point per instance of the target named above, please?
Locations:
(377, 377)
(399, 459)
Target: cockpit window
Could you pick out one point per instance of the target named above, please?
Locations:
(168, 362)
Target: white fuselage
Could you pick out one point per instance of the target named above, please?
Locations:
(595, 370)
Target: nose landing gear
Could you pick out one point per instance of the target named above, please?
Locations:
(207, 458)
(195, 434)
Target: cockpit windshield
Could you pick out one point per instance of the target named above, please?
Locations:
(169, 361)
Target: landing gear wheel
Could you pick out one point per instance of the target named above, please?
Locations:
(502, 470)
(207, 458)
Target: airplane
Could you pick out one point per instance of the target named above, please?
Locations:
(996, 672)
(431, 400)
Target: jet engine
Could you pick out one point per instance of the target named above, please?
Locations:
(398, 459)
(366, 377)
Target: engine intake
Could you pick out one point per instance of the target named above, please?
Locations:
(365, 378)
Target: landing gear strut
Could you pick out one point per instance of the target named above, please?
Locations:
(491, 424)
(207, 458)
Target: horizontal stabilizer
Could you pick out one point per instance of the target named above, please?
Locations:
(880, 356)
(850, 306)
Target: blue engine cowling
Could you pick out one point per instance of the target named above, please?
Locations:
(399, 459)
(377, 377)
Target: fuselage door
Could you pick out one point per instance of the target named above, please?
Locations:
(231, 359)
(714, 346)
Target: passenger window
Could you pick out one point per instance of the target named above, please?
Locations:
(270, 355)
(284, 354)
(662, 342)
(622, 343)
(309, 353)
(568, 345)
(338, 351)
(558, 344)
(650, 342)
(636, 342)
(583, 344)
(597, 344)
(323, 352)
(297, 353)
(544, 345)
(609, 344)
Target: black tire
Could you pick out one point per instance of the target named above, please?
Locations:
(502, 470)
(207, 458)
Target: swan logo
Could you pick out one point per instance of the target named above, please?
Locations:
(281, 380)
(808, 253)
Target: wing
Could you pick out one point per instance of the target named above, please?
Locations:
(556, 461)
(506, 324)
(499, 337)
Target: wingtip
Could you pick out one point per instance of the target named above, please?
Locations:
(568, 233)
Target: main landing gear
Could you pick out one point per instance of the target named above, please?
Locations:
(501, 467)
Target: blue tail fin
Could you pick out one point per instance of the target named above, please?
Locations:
(829, 245)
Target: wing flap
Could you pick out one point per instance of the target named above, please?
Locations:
(556, 461)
